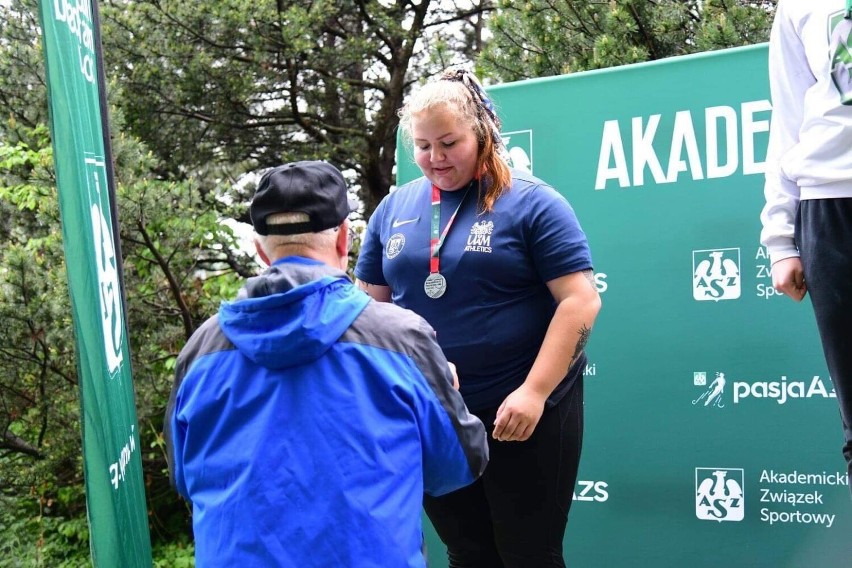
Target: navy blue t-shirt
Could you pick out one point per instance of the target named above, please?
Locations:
(492, 318)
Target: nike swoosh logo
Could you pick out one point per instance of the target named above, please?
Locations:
(398, 223)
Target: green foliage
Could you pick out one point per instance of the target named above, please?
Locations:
(234, 86)
(734, 23)
(40, 470)
(180, 261)
(20, 61)
(177, 554)
(37, 531)
(537, 38)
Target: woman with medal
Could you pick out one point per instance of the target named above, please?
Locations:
(495, 260)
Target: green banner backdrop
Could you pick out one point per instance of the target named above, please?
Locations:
(712, 433)
(115, 493)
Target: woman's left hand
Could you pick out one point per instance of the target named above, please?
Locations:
(518, 416)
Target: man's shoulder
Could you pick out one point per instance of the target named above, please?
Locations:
(386, 325)
(394, 318)
(208, 338)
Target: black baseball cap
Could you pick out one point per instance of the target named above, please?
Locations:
(311, 187)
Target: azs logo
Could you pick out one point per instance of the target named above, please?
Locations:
(719, 494)
(716, 274)
(519, 145)
(591, 491)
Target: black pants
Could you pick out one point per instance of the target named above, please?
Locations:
(824, 238)
(515, 515)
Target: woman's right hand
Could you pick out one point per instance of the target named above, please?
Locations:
(789, 278)
(455, 375)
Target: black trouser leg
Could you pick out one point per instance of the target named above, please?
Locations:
(515, 516)
(824, 238)
(462, 520)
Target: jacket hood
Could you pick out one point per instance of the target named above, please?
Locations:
(292, 313)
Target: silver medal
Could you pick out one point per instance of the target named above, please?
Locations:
(435, 285)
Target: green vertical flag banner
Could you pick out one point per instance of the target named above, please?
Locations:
(115, 493)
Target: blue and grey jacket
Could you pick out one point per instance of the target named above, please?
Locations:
(306, 422)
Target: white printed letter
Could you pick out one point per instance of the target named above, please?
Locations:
(684, 135)
(729, 117)
(750, 128)
(643, 151)
(612, 148)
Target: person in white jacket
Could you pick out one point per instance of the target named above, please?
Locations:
(807, 219)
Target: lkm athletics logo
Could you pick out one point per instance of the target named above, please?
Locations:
(479, 239)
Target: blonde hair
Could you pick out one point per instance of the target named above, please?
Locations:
(459, 92)
(314, 241)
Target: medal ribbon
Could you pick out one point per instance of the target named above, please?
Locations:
(436, 240)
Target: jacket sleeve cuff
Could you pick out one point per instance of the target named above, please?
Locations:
(780, 253)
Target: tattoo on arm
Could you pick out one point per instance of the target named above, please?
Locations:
(590, 276)
(581, 343)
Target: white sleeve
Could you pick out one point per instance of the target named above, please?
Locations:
(789, 79)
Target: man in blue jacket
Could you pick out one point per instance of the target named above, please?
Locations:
(306, 420)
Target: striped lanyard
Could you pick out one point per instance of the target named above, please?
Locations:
(437, 240)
